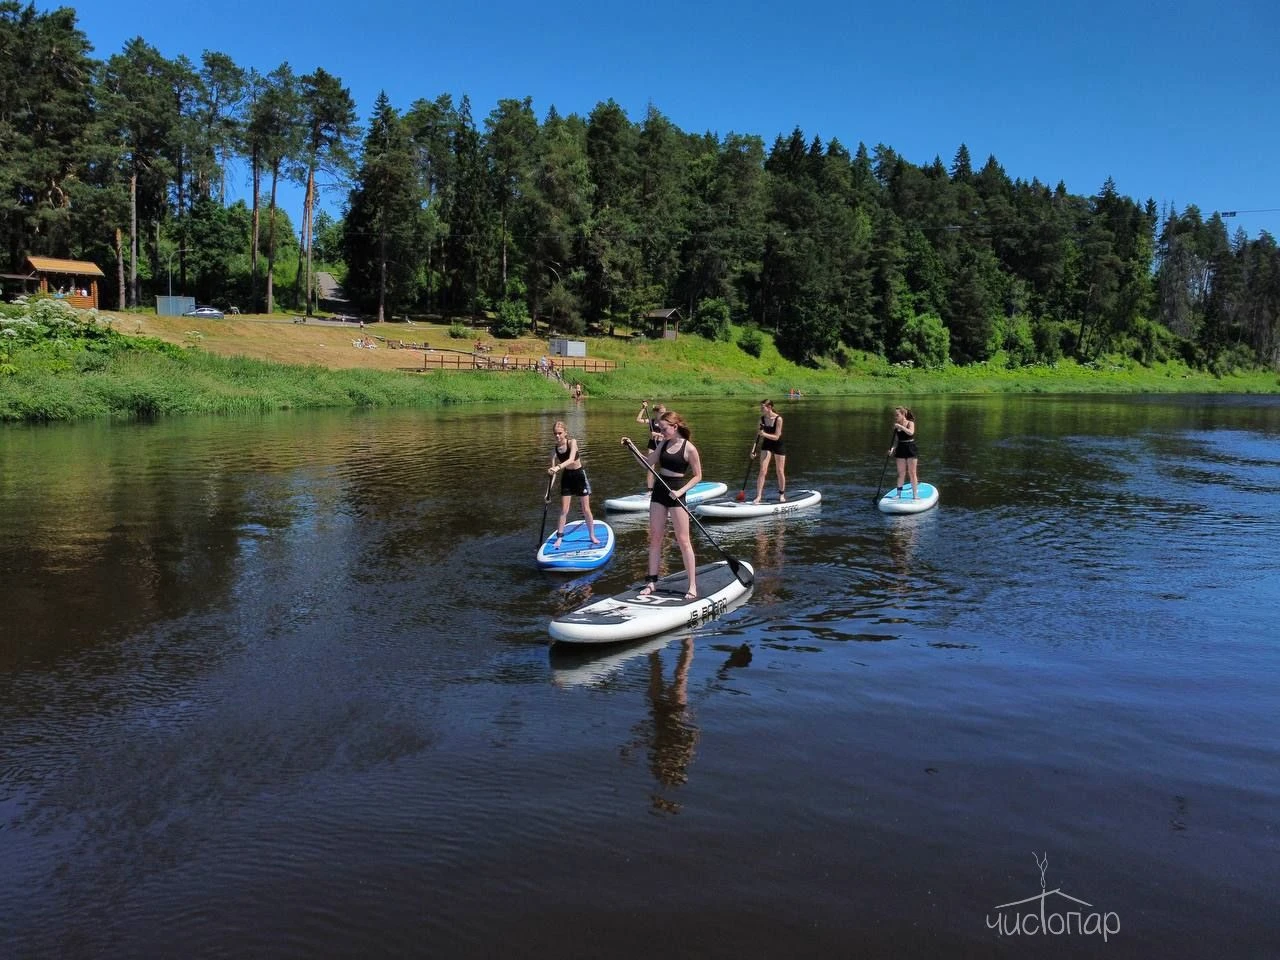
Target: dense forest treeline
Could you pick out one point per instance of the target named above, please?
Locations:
(593, 220)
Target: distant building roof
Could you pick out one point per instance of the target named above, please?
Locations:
(75, 268)
(666, 313)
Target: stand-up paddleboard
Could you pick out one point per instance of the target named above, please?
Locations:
(735, 510)
(909, 501)
(702, 490)
(630, 616)
(576, 551)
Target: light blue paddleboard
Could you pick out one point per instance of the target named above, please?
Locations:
(909, 500)
(576, 551)
(702, 490)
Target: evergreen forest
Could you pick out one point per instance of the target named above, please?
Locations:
(584, 223)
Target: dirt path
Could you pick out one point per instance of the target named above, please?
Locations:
(331, 296)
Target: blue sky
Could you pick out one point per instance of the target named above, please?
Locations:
(1176, 101)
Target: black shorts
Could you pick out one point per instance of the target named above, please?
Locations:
(574, 483)
(777, 447)
(906, 451)
(662, 492)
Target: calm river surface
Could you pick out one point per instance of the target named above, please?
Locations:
(281, 687)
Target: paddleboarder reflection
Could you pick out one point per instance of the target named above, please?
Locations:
(669, 733)
(770, 541)
(902, 540)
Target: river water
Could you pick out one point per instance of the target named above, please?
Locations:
(281, 687)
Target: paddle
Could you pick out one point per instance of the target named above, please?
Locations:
(886, 467)
(742, 494)
(734, 565)
(546, 500)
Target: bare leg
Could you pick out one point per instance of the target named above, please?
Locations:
(680, 524)
(780, 464)
(564, 516)
(915, 479)
(591, 523)
(657, 531)
(902, 472)
(765, 457)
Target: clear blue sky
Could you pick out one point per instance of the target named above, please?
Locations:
(1176, 101)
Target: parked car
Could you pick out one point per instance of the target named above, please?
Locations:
(205, 313)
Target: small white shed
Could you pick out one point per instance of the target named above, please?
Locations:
(568, 348)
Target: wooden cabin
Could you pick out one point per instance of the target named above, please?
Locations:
(75, 281)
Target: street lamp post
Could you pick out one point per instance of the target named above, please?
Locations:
(171, 256)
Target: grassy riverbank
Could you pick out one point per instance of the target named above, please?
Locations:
(132, 365)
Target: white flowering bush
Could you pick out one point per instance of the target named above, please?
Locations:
(46, 318)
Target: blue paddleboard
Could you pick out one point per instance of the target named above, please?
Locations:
(576, 551)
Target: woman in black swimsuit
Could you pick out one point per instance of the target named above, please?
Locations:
(566, 460)
(655, 435)
(904, 448)
(677, 461)
(772, 448)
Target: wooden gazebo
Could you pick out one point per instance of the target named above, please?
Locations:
(667, 320)
(75, 281)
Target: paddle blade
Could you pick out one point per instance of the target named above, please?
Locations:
(743, 574)
(741, 496)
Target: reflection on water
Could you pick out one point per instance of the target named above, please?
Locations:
(267, 686)
(669, 734)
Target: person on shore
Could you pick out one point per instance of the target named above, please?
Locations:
(676, 460)
(904, 449)
(644, 416)
(771, 448)
(566, 460)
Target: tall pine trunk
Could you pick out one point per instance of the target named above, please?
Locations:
(271, 239)
(133, 239)
(256, 175)
(382, 274)
(120, 288)
(308, 226)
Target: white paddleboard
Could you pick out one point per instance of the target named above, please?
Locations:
(909, 500)
(702, 490)
(630, 616)
(576, 551)
(735, 510)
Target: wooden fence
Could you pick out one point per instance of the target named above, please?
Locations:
(453, 360)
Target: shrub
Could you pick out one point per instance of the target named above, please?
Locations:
(511, 319)
(1012, 336)
(458, 330)
(1047, 334)
(712, 319)
(751, 342)
(925, 341)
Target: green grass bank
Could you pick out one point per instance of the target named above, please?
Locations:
(56, 365)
